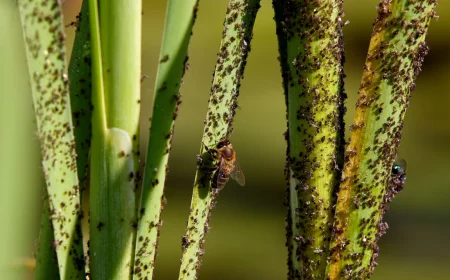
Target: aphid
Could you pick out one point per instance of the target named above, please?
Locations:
(228, 166)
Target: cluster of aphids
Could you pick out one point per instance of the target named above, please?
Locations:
(397, 180)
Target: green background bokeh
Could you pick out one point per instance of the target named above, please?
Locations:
(246, 240)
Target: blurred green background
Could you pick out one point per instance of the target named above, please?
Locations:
(246, 240)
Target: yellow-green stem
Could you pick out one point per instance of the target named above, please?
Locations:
(396, 52)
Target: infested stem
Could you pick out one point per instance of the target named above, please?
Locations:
(394, 59)
(311, 56)
(234, 48)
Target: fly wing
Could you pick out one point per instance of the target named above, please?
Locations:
(402, 163)
(237, 174)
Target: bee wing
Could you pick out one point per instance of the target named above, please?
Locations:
(237, 174)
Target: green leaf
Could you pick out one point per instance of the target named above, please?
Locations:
(80, 91)
(173, 59)
(43, 32)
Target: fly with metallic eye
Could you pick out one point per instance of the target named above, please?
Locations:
(396, 181)
(398, 176)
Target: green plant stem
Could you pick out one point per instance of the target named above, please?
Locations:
(116, 53)
(80, 92)
(229, 70)
(395, 56)
(311, 56)
(44, 36)
(173, 58)
(46, 260)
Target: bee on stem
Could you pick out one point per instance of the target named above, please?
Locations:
(228, 167)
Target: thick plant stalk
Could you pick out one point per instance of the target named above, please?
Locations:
(311, 57)
(80, 91)
(173, 58)
(395, 56)
(116, 53)
(43, 31)
(229, 70)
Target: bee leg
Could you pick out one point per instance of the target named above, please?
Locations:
(206, 174)
(199, 159)
(208, 169)
(212, 152)
(215, 191)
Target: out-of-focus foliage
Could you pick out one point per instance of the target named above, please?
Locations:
(20, 183)
(246, 240)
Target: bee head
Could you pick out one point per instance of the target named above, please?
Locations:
(223, 143)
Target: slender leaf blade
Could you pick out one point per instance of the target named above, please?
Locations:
(43, 32)
(173, 58)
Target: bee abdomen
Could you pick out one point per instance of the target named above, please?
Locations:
(219, 180)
